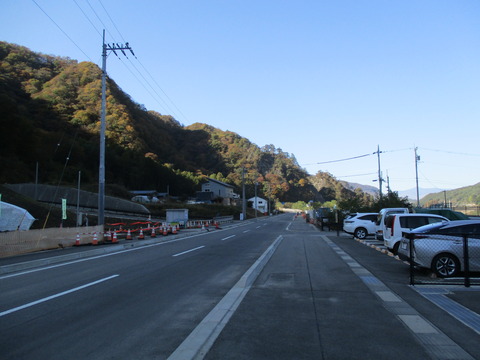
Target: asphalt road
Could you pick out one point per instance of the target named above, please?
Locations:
(316, 296)
(135, 304)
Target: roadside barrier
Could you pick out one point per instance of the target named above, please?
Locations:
(20, 242)
(95, 239)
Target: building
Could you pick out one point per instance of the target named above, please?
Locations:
(219, 190)
(260, 204)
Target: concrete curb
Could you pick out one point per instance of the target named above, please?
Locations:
(201, 339)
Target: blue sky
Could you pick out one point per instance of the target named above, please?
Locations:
(323, 80)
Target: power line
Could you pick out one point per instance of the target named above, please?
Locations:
(91, 23)
(64, 33)
(163, 101)
(114, 25)
(339, 160)
(450, 152)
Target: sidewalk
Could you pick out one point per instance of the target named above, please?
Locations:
(314, 301)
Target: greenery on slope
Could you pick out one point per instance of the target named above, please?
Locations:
(51, 118)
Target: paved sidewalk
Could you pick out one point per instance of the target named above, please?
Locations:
(314, 301)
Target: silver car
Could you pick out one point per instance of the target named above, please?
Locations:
(439, 246)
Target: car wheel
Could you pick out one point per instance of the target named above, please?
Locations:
(360, 233)
(445, 265)
(395, 248)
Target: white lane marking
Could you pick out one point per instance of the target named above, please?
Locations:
(100, 256)
(185, 252)
(229, 237)
(55, 296)
(246, 231)
(258, 227)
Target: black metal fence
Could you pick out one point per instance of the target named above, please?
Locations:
(443, 260)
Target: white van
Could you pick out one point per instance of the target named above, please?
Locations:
(382, 216)
(396, 224)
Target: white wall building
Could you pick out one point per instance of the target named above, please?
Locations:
(219, 190)
(261, 204)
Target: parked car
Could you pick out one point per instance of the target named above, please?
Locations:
(382, 216)
(396, 224)
(439, 246)
(360, 225)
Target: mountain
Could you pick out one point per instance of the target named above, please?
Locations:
(372, 190)
(468, 195)
(412, 193)
(50, 130)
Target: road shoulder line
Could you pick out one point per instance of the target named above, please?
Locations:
(201, 339)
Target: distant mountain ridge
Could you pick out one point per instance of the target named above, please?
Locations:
(412, 193)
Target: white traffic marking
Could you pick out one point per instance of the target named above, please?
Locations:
(185, 252)
(55, 296)
(229, 237)
(246, 231)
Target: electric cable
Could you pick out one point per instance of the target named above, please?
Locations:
(64, 33)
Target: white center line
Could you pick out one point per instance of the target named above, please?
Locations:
(55, 296)
(185, 252)
(246, 231)
(228, 237)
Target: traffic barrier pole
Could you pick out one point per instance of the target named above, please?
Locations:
(95, 239)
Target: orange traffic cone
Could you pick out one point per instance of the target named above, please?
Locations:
(216, 225)
(165, 233)
(95, 239)
(114, 237)
(129, 235)
(108, 236)
(153, 233)
(141, 236)
(77, 240)
(174, 230)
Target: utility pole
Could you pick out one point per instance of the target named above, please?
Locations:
(379, 172)
(101, 168)
(417, 159)
(244, 200)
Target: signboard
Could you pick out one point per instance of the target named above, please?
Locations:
(64, 209)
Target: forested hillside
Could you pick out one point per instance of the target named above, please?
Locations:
(50, 119)
(468, 195)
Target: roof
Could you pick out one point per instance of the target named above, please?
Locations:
(220, 183)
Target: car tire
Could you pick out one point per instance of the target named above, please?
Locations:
(360, 233)
(445, 265)
(395, 248)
